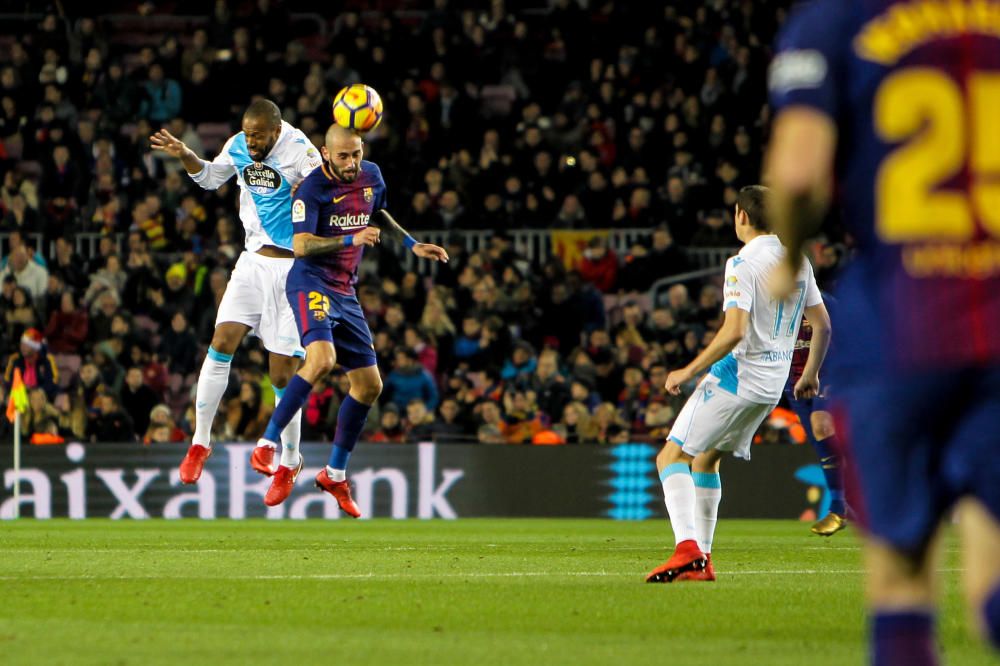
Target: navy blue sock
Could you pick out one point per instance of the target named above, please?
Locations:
(830, 462)
(296, 394)
(991, 612)
(350, 422)
(903, 638)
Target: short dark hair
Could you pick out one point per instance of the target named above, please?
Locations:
(264, 109)
(752, 200)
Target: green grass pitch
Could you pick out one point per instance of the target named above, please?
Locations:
(407, 592)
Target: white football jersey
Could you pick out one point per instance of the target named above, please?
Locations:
(757, 368)
(265, 187)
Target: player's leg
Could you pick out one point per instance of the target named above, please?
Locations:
(980, 532)
(708, 495)
(282, 370)
(366, 386)
(899, 434)
(213, 379)
(824, 441)
(901, 588)
(320, 360)
(357, 355)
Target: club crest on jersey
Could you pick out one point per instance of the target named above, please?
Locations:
(368, 194)
(319, 315)
(261, 179)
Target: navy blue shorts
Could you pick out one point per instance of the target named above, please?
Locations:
(323, 314)
(804, 408)
(917, 443)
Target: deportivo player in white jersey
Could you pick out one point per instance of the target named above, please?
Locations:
(269, 157)
(748, 363)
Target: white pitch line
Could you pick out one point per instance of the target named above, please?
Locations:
(429, 576)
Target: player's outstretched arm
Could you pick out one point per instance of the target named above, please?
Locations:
(308, 245)
(798, 168)
(422, 250)
(166, 142)
(808, 385)
(733, 329)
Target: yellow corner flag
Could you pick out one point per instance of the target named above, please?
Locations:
(18, 401)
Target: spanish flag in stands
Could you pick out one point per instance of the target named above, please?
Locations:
(18, 401)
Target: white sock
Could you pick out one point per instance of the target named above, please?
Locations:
(335, 474)
(678, 495)
(706, 515)
(290, 437)
(212, 382)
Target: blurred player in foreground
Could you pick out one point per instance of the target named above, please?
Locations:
(268, 157)
(896, 103)
(748, 362)
(816, 418)
(332, 219)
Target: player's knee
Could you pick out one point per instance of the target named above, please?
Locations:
(668, 455)
(370, 392)
(319, 363)
(225, 342)
(822, 425)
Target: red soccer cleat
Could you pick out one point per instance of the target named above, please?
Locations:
(282, 483)
(262, 458)
(341, 490)
(194, 461)
(686, 557)
(706, 574)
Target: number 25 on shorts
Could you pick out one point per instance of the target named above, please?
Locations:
(319, 305)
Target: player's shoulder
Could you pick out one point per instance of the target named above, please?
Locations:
(314, 183)
(372, 171)
(818, 19)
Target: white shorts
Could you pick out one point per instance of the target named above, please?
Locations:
(715, 419)
(256, 297)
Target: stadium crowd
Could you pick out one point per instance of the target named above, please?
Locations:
(624, 115)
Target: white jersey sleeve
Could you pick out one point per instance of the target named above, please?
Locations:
(813, 295)
(213, 174)
(307, 160)
(739, 287)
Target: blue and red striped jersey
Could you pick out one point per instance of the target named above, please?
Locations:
(325, 206)
(914, 88)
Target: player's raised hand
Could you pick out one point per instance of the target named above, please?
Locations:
(168, 143)
(430, 251)
(807, 387)
(368, 236)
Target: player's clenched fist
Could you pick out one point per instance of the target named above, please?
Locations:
(368, 236)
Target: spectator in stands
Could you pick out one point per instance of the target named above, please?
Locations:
(246, 414)
(110, 423)
(713, 231)
(599, 265)
(522, 361)
(21, 315)
(66, 330)
(550, 388)
(163, 96)
(40, 414)
(37, 366)
(69, 265)
(138, 399)
(419, 422)
(28, 274)
(178, 346)
(409, 380)
(20, 217)
(576, 425)
(390, 426)
(161, 428)
(427, 354)
(450, 426)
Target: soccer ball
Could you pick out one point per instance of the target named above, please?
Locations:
(357, 107)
